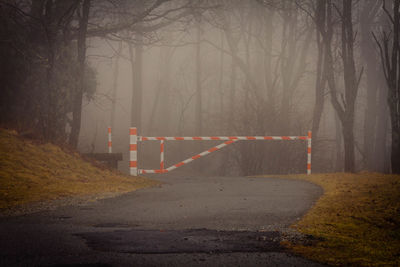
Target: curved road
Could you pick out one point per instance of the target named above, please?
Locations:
(188, 221)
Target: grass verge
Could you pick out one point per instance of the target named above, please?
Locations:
(356, 221)
(32, 172)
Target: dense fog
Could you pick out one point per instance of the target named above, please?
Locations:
(237, 68)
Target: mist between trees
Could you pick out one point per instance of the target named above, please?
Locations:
(70, 69)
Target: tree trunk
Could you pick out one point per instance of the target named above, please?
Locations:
(165, 105)
(198, 119)
(115, 87)
(345, 108)
(348, 142)
(77, 106)
(137, 82)
(368, 14)
(395, 157)
(338, 138)
(320, 79)
(380, 151)
(389, 47)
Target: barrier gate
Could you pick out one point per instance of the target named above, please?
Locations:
(134, 139)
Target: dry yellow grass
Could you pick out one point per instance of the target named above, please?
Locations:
(355, 222)
(31, 172)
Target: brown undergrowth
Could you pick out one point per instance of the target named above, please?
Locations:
(355, 222)
(32, 172)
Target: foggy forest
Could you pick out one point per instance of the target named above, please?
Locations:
(70, 69)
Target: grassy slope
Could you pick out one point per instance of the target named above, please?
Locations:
(356, 221)
(31, 172)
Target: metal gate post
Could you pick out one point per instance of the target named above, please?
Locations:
(162, 156)
(133, 151)
(109, 140)
(309, 153)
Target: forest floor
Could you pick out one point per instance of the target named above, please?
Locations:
(355, 222)
(35, 175)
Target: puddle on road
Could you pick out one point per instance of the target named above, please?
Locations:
(183, 241)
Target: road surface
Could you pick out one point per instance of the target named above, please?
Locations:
(188, 221)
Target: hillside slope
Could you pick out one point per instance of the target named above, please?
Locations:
(31, 172)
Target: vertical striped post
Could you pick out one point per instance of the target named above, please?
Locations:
(162, 155)
(309, 153)
(109, 140)
(133, 151)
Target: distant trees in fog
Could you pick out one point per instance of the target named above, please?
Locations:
(257, 67)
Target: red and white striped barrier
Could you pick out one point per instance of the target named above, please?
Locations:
(109, 140)
(309, 152)
(229, 140)
(213, 138)
(133, 139)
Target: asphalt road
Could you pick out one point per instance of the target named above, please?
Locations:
(188, 221)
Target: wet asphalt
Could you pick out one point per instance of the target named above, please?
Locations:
(187, 221)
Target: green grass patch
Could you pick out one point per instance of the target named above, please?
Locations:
(32, 172)
(355, 222)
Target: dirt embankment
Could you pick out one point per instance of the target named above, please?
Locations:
(33, 173)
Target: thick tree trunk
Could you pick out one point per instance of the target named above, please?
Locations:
(390, 57)
(77, 106)
(380, 151)
(78, 94)
(344, 108)
(348, 142)
(395, 157)
(339, 143)
(369, 56)
(320, 82)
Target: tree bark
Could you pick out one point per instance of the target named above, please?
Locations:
(77, 105)
(373, 74)
(320, 78)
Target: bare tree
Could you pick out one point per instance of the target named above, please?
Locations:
(320, 77)
(79, 89)
(373, 76)
(344, 104)
(389, 46)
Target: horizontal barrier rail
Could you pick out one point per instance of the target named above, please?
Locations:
(216, 138)
(134, 138)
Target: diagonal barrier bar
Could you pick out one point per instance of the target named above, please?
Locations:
(202, 154)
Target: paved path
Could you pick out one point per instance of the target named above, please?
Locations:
(188, 221)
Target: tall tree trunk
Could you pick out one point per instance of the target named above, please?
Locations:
(344, 109)
(320, 78)
(373, 74)
(136, 60)
(380, 150)
(165, 105)
(77, 106)
(115, 86)
(198, 116)
(390, 56)
(338, 139)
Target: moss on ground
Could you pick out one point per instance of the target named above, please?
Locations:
(32, 172)
(356, 221)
